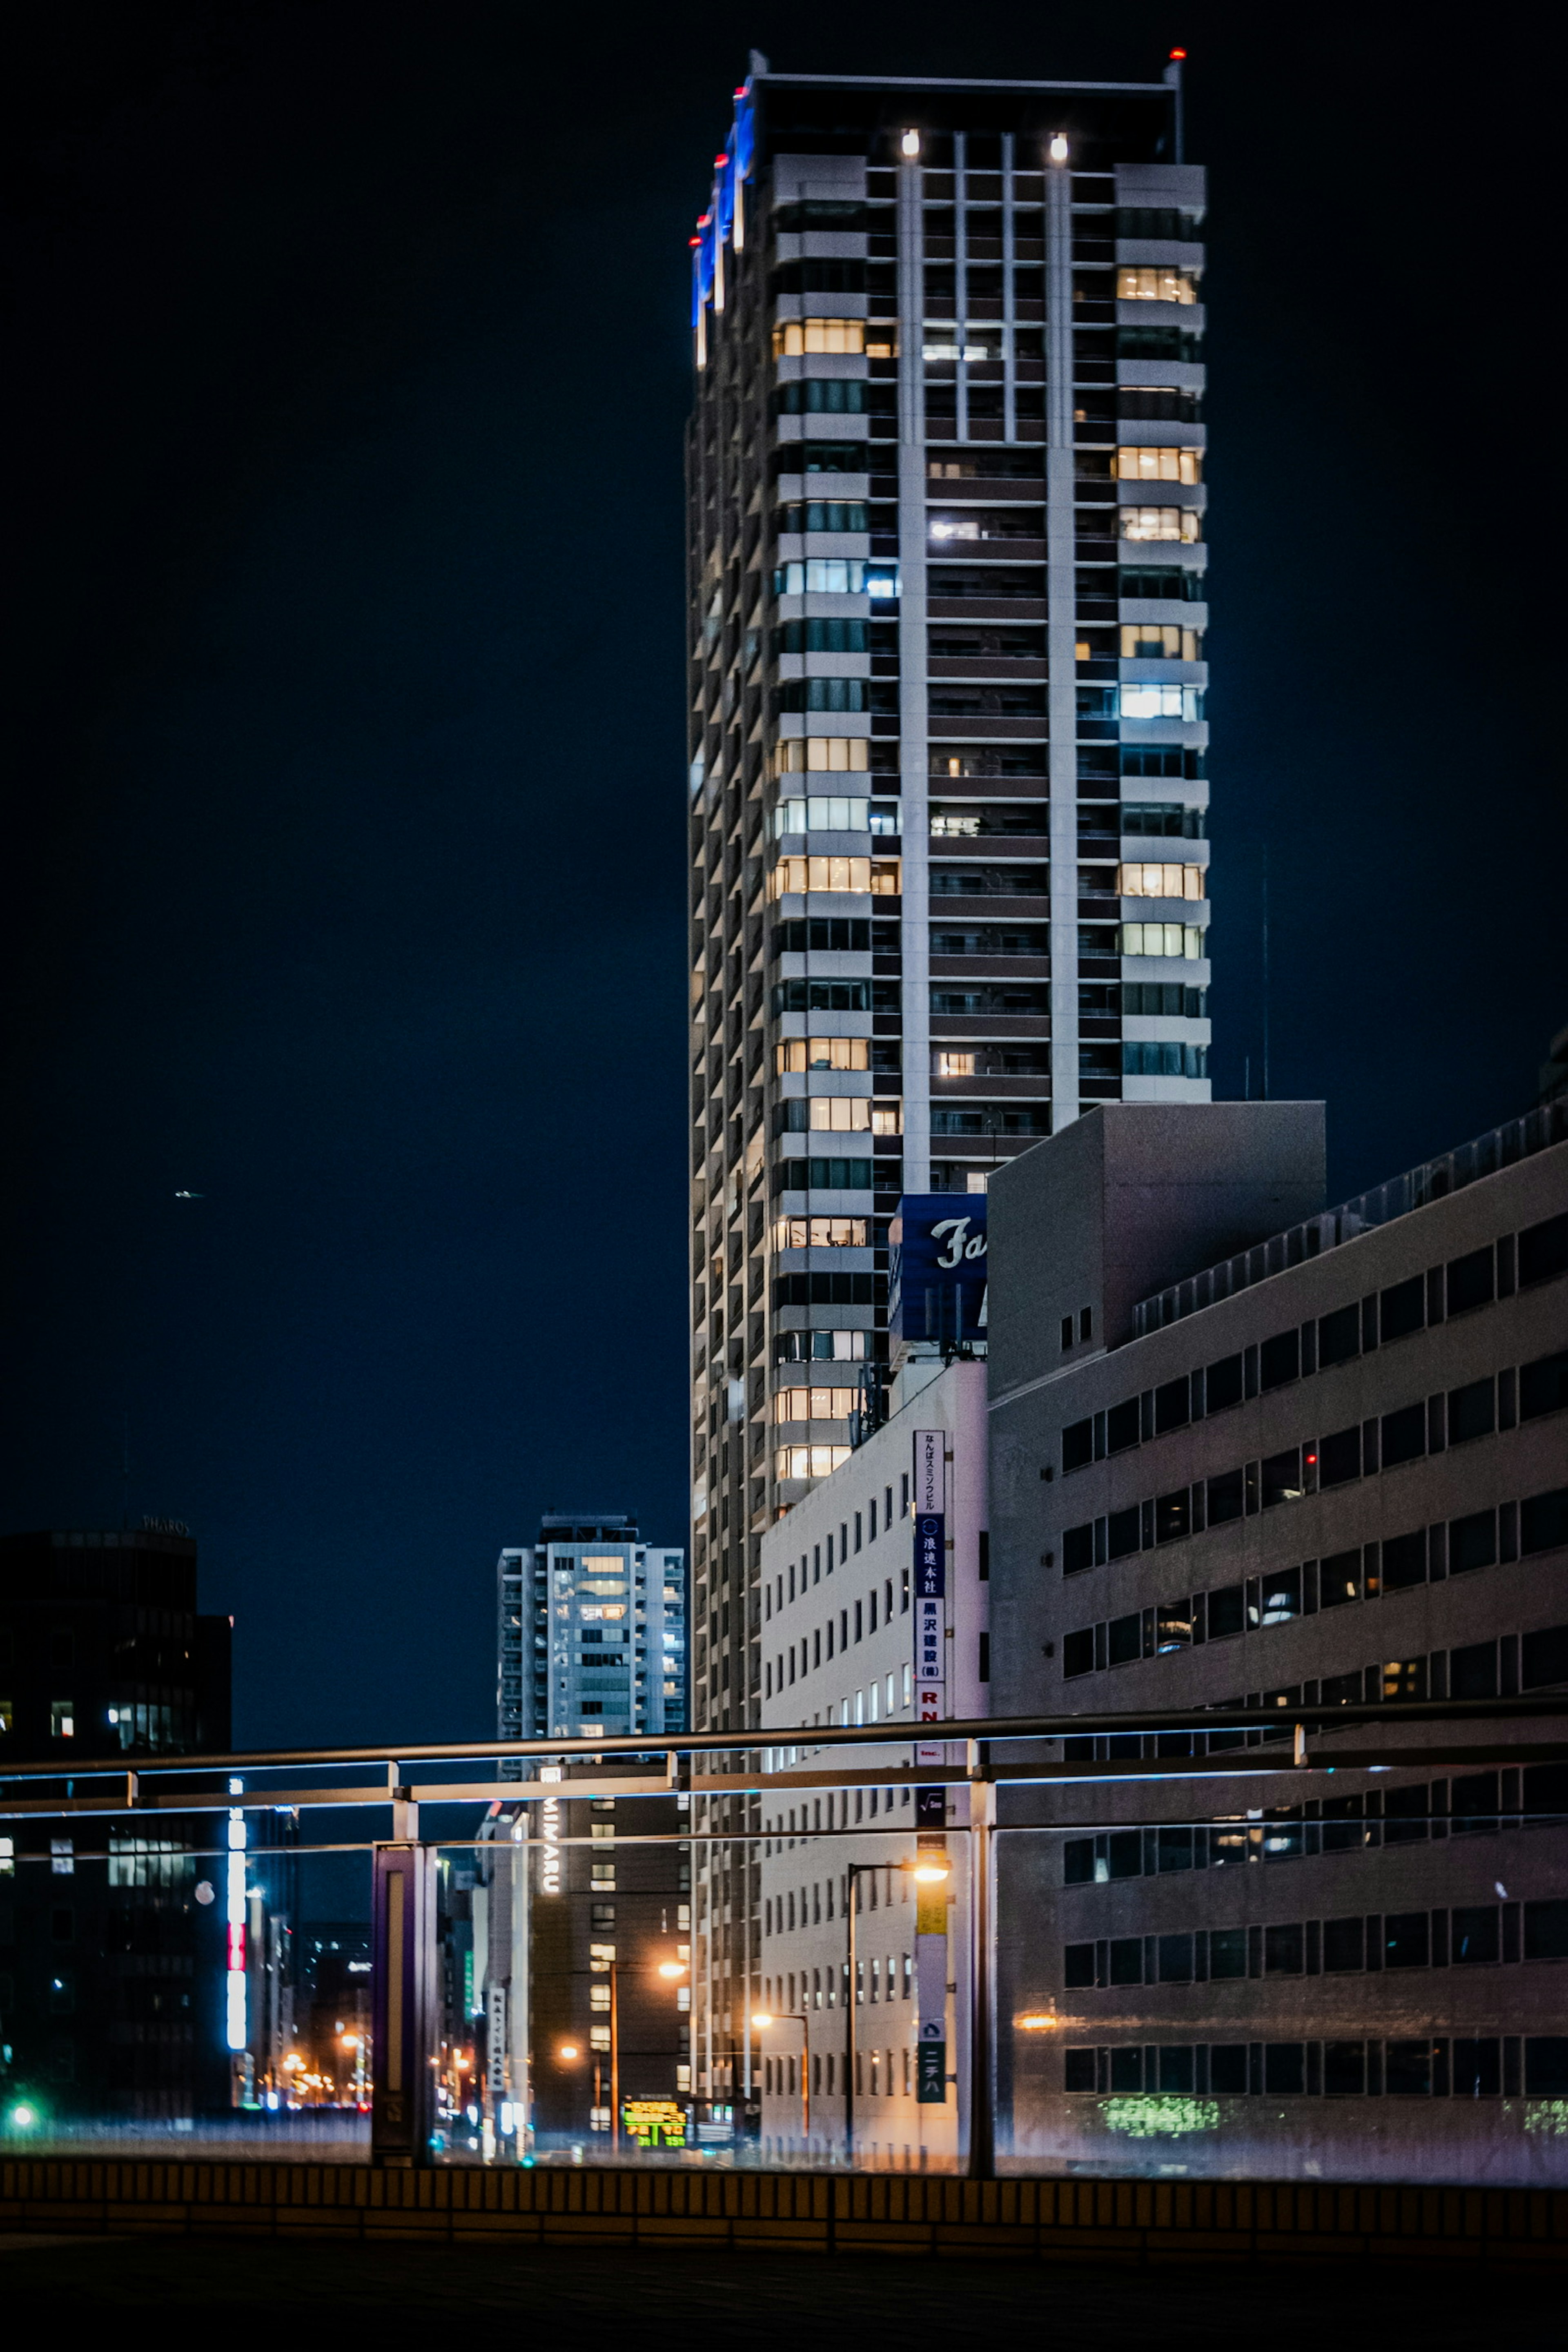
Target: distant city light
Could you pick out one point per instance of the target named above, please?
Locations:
(1059, 149)
(910, 144)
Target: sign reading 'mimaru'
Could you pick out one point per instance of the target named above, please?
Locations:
(937, 1278)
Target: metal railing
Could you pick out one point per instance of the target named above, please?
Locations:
(1434, 1179)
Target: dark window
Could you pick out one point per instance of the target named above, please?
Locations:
(1472, 1671)
(1124, 1533)
(1176, 1954)
(1470, 1281)
(1472, 1801)
(1402, 1309)
(1126, 1959)
(1283, 1479)
(1226, 1498)
(1404, 1561)
(1403, 1435)
(1546, 2066)
(1283, 2066)
(1175, 1849)
(1342, 1690)
(1343, 1946)
(1344, 2068)
(1339, 1579)
(1121, 1426)
(1544, 1249)
(1228, 2067)
(1407, 2069)
(1472, 1542)
(1543, 1385)
(1472, 1410)
(1283, 1951)
(1077, 1654)
(1125, 1638)
(1545, 1932)
(1340, 1457)
(1078, 1861)
(1173, 1406)
(1077, 1967)
(1543, 1521)
(1173, 1516)
(1222, 1384)
(1546, 1791)
(1279, 1361)
(1227, 1612)
(1124, 1850)
(1407, 1941)
(1543, 1658)
(1077, 1444)
(1079, 2071)
(1228, 1952)
(1404, 1814)
(1126, 2068)
(1476, 2075)
(1338, 1337)
(1077, 1549)
(1176, 2070)
(1343, 1831)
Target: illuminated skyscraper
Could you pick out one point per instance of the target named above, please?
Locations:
(591, 1637)
(947, 790)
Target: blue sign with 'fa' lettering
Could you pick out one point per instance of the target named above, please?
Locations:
(937, 1287)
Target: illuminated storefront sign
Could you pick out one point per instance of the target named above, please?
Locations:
(234, 1915)
(654, 2122)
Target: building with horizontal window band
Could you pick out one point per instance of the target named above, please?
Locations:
(947, 785)
(1247, 1451)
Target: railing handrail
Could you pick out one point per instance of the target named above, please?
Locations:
(1418, 1188)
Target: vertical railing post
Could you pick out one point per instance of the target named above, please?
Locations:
(981, 1982)
(403, 1957)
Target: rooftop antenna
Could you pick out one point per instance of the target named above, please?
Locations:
(1266, 972)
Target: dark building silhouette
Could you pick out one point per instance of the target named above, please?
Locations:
(112, 1935)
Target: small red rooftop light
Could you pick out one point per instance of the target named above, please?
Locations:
(720, 161)
(738, 93)
(1177, 52)
(694, 240)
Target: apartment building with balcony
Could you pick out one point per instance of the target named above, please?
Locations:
(1249, 1453)
(591, 1634)
(947, 788)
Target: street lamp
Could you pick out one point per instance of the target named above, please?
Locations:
(795, 2017)
(928, 1869)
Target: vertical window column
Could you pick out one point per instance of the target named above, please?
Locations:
(1009, 296)
(914, 757)
(961, 283)
(1062, 635)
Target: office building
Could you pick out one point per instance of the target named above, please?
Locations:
(115, 1997)
(567, 1946)
(851, 1635)
(592, 1632)
(947, 792)
(1247, 1451)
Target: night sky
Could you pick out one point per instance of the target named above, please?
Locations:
(344, 838)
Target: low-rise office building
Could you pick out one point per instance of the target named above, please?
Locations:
(1284, 1462)
(846, 1642)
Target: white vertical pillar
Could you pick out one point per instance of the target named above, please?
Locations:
(1061, 633)
(914, 751)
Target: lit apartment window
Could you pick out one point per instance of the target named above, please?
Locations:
(858, 876)
(1151, 282)
(955, 1065)
(809, 1461)
(6, 1717)
(838, 815)
(947, 824)
(841, 1113)
(821, 1232)
(829, 753)
(1143, 880)
(1160, 641)
(62, 1718)
(944, 344)
(1162, 939)
(823, 1054)
(836, 575)
(1160, 522)
(803, 338)
(1147, 701)
(954, 527)
(816, 1404)
(1159, 465)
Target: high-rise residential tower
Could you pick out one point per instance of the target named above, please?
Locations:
(947, 794)
(591, 1634)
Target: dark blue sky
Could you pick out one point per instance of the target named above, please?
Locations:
(345, 822)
